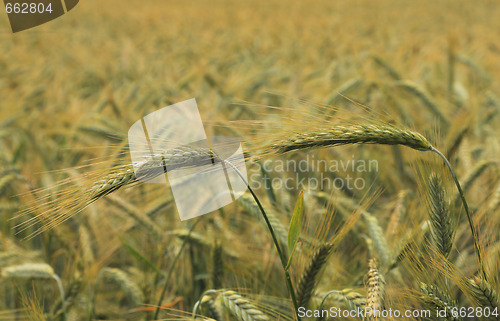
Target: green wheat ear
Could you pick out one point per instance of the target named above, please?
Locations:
(442, 229)
(353, 133)
(484, 293)
(475, 236)
(309, 278)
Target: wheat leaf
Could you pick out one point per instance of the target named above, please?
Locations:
(294, 229)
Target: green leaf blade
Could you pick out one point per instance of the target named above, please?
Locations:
(295, 227)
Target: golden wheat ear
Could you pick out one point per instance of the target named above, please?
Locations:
(375, 290)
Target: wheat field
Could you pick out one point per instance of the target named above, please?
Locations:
(371, 139)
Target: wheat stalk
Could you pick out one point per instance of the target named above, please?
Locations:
(73, 290)
(171, 269)
(217, 266)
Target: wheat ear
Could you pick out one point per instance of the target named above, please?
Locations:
(126, 284)
(353, 133)
(425, 98)
(371, 133)
(433, 297)
(212, 309)
(208, 306)
(442, 230)
(85, 243)
(484, 294)
(40, 271)
(64, 206)
(351, 298)
(28, 271)
(472, 227)
(151, 167)
(378, 238)
(240, 307)
(309, 278)
(393, 73)
(375, 289)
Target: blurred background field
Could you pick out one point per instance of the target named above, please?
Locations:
(71, 88)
